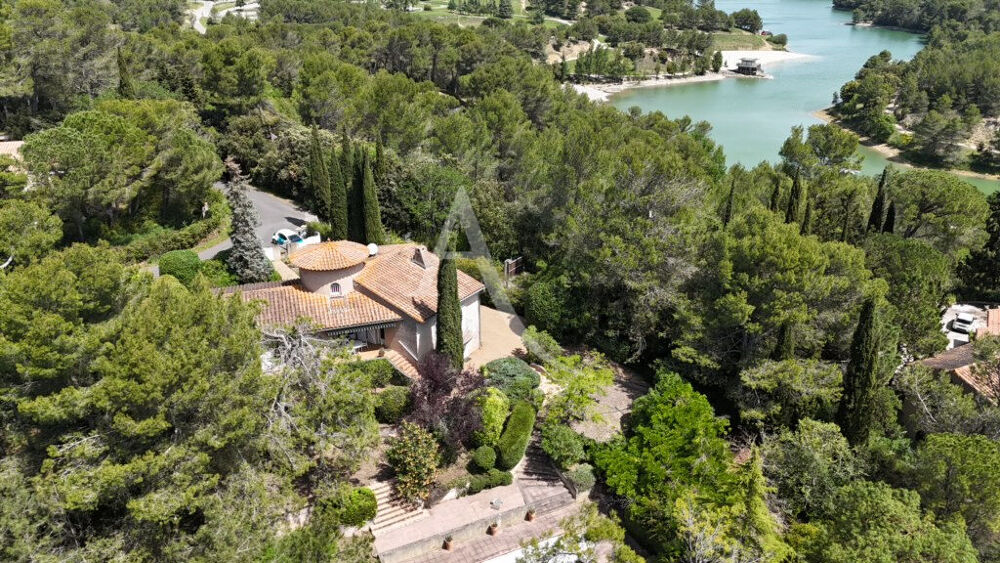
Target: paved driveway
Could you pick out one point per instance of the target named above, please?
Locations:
(274, 213)
(958, 338)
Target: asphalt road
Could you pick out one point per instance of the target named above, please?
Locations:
(274, 213)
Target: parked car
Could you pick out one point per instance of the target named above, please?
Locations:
(282, 237)
(963, 323)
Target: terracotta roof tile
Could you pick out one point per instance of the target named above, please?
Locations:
(329, 256)
(396, 277)
(957, 357)
(288, 301)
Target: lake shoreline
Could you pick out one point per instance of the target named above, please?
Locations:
(894, 155)
(604, 92)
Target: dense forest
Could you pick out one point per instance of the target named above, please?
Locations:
(772, 309)
(942, 107)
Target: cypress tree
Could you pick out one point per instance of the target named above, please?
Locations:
(126, 87)
(337, 214)
(380, 171)
(794, 207)
(355, 198)
(373, 215)
(775, 194)
(319, 178)
(878, 205)
(861, 380)
(784, 348)
(890, 219)
(727, 212)
(346, 160)
(806, 228)
(449, 314)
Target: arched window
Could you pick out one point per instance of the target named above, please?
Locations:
(335, 289)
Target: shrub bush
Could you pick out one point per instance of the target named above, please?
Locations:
(493, 408)
(512, 376)
(217, 273)
(392, 404)
(345, 505)
(582, 477)
(413, 455)
(515, 437)
(563, 444)
(187, 237)
(181, 264)
(492, 478)
(780, 39)
(484, 458)
(544, 305)
(380, 372)
(540, 346)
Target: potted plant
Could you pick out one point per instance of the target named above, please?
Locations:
(530, 514)
(447, 543)
(493, 527)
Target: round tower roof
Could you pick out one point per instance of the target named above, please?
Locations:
(326, 256)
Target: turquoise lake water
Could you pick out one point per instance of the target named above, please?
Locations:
(751, 118)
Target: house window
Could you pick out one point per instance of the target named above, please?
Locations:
(335, 289)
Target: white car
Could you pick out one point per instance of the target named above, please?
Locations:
(963, 323)
(282, 237)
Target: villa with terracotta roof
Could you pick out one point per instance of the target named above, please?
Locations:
(383, 297)
(959, 361)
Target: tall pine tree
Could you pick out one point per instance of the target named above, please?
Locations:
(890, 219)
(337, 214)
(319, 178)
(449, 314)
(878, 205)
(374, 233)
(126, 87)
(863, 378)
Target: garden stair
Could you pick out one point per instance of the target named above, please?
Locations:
(403, 363)
(392, 510)
(539, 480)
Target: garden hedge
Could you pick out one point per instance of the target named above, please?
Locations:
(347, 506)
(492, 478)
(493, 408)
(187, 237)
(514, 440)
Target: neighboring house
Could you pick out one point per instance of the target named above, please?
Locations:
(959, 361)
(383, 298)
(750, 67)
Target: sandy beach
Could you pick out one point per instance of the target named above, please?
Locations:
(603, 92)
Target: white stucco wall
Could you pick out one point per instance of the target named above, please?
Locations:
(471, 324)
(319, 281)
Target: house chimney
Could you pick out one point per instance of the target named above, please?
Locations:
(418, 257)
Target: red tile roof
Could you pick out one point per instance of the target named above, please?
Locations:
(286, 302)
(404, 276)
(329, 256)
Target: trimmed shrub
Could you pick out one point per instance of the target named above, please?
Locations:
(563, 444)
(540, 346)
(392, 404)
(582, 477)
(493, 409)
(484, 458)
(492, 478)
(544, 305)
(514, 440)
(181, 264)
(513, 376)
(217, 274)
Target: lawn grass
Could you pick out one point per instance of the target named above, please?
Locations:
(738, 41)
(222, 6)
(439, 12)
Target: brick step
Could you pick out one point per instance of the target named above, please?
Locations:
(397, 519)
